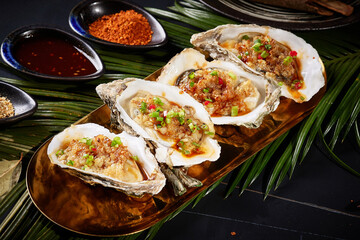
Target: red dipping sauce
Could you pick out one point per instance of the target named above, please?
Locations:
(52, 56)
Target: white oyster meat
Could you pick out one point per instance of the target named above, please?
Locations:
(97, 156)
(179, 126)
(229, 93)
(278, 55)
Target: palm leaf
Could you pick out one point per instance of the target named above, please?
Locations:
(357, 132)
(335, 158)
(239, 176)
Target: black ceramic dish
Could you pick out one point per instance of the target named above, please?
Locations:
(86, 12)
(18, 36)
(24, 105)
(262, 14)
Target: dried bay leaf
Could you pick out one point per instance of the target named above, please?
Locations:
(9, 175)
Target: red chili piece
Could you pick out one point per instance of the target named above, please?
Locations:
(221, 82)
(297, 85)
(151, 106)
(293, 53)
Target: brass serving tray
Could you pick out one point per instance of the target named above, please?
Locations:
(99, 211)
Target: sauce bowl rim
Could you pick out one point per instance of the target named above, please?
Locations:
(11, 39)
(78, 29)
(17, 117)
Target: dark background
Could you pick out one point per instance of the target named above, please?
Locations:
(314, 204)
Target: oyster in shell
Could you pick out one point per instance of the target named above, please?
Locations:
(178, 126)
(95, 155)
(230, 94)
(273, 53)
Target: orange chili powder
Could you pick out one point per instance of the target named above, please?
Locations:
(126, 27)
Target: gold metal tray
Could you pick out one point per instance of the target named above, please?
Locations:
(95, 210)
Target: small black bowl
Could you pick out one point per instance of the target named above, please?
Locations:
(24, 105)
(86, 12)
(14, 40)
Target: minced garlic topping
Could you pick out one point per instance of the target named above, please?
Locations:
(6, 108)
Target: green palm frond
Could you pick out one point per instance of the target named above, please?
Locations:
(60, 105)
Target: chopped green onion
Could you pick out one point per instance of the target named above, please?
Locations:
(181, 113)
(60, 152)
(192, 84)
(91, 147)
(195, 144)
(302, 98)
(143, 107)
(116, 142)
(171, 114)
(247, 53)
(256, 47)
(214, 73)
(181, 116)
(240, 57)
(189, 120)
(154, 114)
(180, 143)
(191, 75)
(192, 127)
(158, 101)
(186, 152)
(209, 133)
(88, 141)
(209, 99)
(204, 126)
(280, 83)
(70, 163)
(85, 155)
(232, 75)
(89, 160)
(159, 126)
(160, 119)
(159, 109)
(234, 111)
(287, 60)
(205, 90)
(267, 46)
(245, 37)
(264, 54)
(257, 41)
(167, 120)
(136, 158)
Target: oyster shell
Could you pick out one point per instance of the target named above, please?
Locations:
(230, 94)
(126, 177)
(273, 53)
(179, 126)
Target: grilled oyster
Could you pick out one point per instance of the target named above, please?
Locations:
(178, 126)
(273, 53)
(121, 161)
(230, 94)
